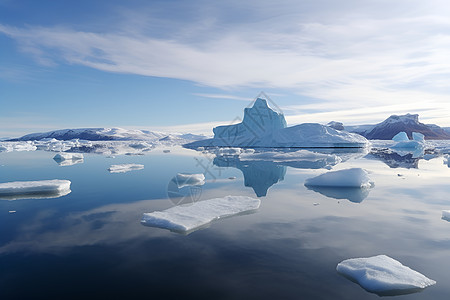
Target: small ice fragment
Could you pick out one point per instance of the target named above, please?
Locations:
(125, 168)
(186, 219)
(183, 180)
(68, 156)
(400, 137)
(12, 211)
(383, 275)
(355, 177)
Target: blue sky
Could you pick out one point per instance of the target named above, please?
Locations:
(189, 65)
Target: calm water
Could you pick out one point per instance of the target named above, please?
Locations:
(90, 243)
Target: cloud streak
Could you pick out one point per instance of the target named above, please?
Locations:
(354, 61)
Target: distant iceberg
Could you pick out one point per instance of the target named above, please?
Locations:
(68, 159)
(185, 219)
(383, 275)
(263, 127)
(348, 178)
(34, 189)
(68, 156)
(125, 168)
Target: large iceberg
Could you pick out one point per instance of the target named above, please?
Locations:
(383, 275)
(263, 127)
(186, 219)
(348, 178)
(34, 189)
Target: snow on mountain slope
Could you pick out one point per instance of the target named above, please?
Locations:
(408, 123)
(107, 134)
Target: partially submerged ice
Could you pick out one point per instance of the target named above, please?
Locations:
(402, 141)
(185, 219)
(383, 275)
(183, 180)
(34, 189)
(348, 178)
(263, 127)
(68, 156)
(125, 168)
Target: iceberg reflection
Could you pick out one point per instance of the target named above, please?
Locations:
(356, 195)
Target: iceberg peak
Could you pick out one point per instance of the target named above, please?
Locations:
(258, 120)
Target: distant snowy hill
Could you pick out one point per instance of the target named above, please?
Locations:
(408, 123)
(108, 134)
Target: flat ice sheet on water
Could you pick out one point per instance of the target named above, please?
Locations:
(348, 178)
(34, 189)
(125, 168)
(189, 218)
(383, 275)
(300, 158)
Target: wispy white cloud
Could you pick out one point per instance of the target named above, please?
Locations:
(222, 96)
(358, 59)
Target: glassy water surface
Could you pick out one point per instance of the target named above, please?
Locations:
(90, 243)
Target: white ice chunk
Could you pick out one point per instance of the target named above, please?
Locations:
(183, 180)
(383, 275)
(355, 177)
(189, 218)
(68, 156)
(228, 151)
(417, 136)
(125, 168)
(34, 189)
(400, 137)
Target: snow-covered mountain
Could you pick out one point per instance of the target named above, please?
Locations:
(408, 123)
(107, 134)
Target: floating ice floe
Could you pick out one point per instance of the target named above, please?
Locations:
(68, 156)
(34, 189)
(17, 146)
(182, 180)
(348, 178)
(68, 159)
(383, 275)
(125, 168)
(264, 127)
(186, 219)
